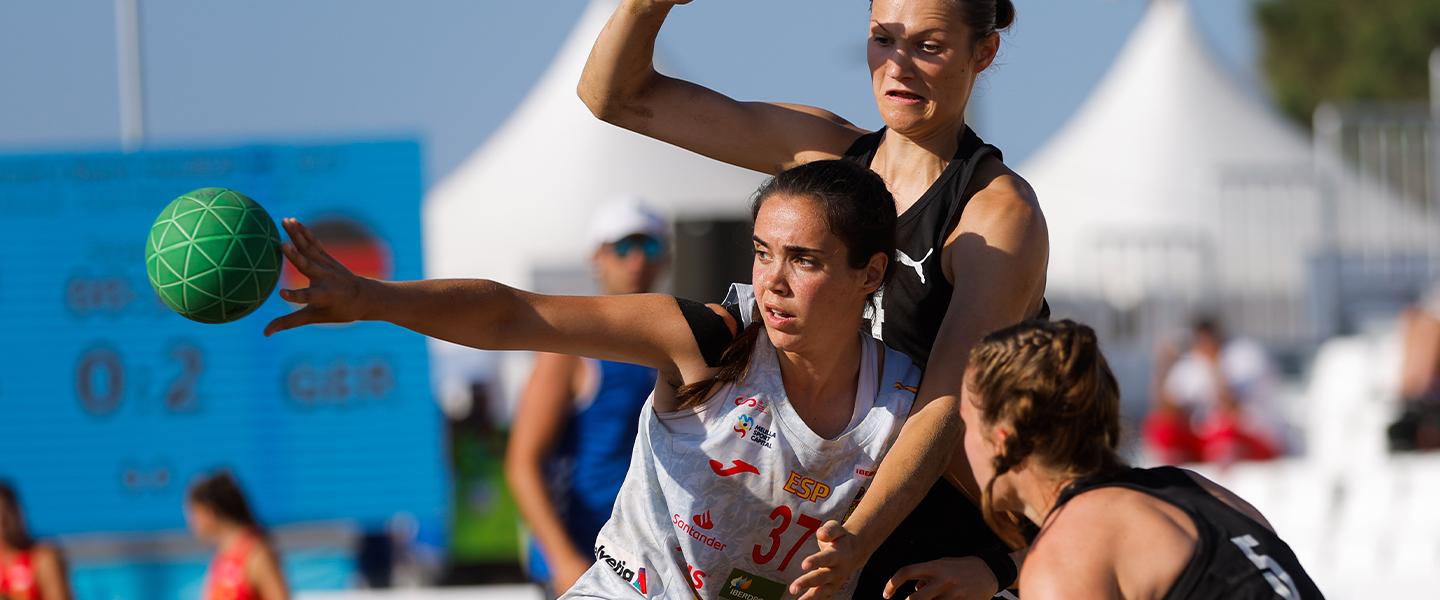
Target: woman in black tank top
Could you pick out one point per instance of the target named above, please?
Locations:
(974, 244)
(1042, 411)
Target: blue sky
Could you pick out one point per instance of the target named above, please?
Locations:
(449, 71)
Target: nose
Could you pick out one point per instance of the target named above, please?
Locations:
(899, 66)
(772, 278)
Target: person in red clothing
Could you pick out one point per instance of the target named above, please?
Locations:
(29, 570)
(245, 566)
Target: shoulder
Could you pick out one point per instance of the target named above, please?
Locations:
(1095, 538)
(1002, 198)
(1228, 497)
(262, 556)
(45, 555)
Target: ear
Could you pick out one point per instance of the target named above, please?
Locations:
(985, 52)
(875, 272)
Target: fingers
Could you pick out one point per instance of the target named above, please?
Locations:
(300, 296)
(831, 531)
(299, 318)
(298, 259)
(813, 579)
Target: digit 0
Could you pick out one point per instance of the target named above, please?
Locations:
(99, 381)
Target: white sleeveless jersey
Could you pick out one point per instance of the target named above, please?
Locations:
(722, 500)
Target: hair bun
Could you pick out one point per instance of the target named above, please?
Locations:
(1004, 14)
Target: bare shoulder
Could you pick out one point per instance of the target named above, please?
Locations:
(1003, 198)
(1111, 542)
(1229, 498)
(47, 555)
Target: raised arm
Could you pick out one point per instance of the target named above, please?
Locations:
(646, 329)
(997, 255)
(622, 87)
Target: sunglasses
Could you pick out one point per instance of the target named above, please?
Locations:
(652, 247)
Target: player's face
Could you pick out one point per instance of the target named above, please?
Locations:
(631, 265)
(806, 290)
(923, 65)
(200, 519)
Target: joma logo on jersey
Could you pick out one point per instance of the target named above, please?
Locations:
(636, 578)
(806, 488)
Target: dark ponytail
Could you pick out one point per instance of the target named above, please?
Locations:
(221, 493)
(12, 521)
(858, 209)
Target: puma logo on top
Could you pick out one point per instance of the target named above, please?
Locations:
(918, 265)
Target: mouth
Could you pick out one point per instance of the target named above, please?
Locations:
(777, 317)
(904, 97)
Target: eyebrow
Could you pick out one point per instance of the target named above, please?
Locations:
(791, 248)
(922, 33)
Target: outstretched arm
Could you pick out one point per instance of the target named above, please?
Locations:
(621, 86)
(645, 329)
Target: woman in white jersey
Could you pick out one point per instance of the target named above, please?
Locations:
(765, 422)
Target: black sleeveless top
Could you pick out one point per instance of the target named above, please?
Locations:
(913, 303)
(1235, 557)
(915, 299)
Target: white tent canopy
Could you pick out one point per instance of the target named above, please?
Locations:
(522, 202)
(523, 199)
(1142, 162)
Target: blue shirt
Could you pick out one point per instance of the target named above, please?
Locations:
(593, 454)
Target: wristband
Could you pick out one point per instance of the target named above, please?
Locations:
(1001, 565)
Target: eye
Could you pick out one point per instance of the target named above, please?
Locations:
(880, 40)
(806, 261)
(762, 254)
(931, 47)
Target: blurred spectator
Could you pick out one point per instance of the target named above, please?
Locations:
(29, 570)
(1212, 402)
(1418, 427)
(575, 427)
(245, 566)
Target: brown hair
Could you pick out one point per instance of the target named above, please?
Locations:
(858, 209)
(982, 17)
(12, 524)
(221, 493)
(1048, 381)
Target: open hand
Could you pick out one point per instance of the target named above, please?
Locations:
(827, 571)
(335, 294)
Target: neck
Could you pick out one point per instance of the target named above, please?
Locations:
(228, 535)
(1038, 489)
(911, 163)
(818, 382)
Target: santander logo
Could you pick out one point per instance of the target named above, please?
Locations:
(703, 521)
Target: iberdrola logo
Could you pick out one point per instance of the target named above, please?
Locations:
(740, 583)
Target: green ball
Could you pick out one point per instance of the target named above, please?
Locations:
(213, 255)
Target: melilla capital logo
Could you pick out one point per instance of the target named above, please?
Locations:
(806, 488)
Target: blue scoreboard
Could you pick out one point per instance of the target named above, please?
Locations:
(111, 405)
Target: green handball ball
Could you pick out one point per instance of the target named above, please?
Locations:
(213, 255)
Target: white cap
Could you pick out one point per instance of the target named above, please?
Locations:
(623, 217)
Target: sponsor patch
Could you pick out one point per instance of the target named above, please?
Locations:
(631, 572)
(746, 586)
(697, 533)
